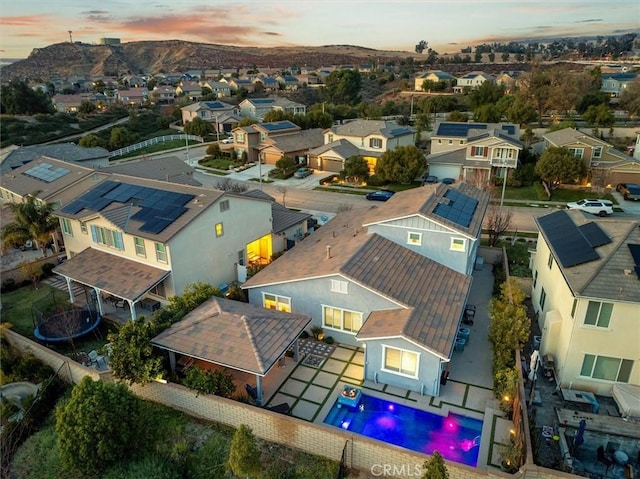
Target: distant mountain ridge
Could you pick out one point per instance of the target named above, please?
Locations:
(81, 59)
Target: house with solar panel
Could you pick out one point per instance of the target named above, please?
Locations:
(473, 152)
(586, 293)
(138, 242)
(472, 80)
(221, 115)
(257, 108)
(393, 279)
(366, 138)
(271, 141)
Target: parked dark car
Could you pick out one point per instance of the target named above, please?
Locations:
(630, 191)
(380, 195)
(430, 180)
(448, 181)
(302, 172)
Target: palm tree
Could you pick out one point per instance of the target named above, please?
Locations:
(33, 220)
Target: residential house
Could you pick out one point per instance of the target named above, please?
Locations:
(253, 138)
(136, 238)
(615, 84)
(473, 152)
(472, 81)
(245, 143)
(189, 89)
(369, 139)
(222, 115)
(509, 80)
(586, 296)
(435, 76)
(283, 138)
(236, 84)
(133, 96)
(257, 108)
(70, 152)
(163, 95)
(69, 103)
(267, 84)
(219, 88)
(306, 79)
(607, 166)
(290, 82)
(376, 281)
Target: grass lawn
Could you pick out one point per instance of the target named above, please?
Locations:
(527, 193)
(342, 190)
(218, 163)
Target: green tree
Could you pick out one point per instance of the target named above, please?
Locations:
(485, 94)
(17, 98)
(99, 86)
(521, 113)
(457, 116)
(599, 116)
(244, 455)
(630, 98)
(285, 163)
(120, 137)
(97, 427)
(86, 107)
(505, 56)
(356, 169)
(198, 127)
(401, 165)
(213, 150)
(343, 86)
(559, 165)
(90, 141)
(435, 468)
(218, 382)
(32, 220)
(488, 113)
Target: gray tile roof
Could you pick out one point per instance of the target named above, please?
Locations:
(119, 276)
(237, 335)
(284, 218)
(344, 148)
(605, 277)
(567, 136)
(66, 152)
(301, 140)
(362, 128)
(171, 169)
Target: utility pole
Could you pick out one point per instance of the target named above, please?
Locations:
(186, 142)
(70, 39)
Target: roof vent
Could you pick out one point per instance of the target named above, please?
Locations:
(328, 251)
(627, 272)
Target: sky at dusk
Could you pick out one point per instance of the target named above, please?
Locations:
(389, 25)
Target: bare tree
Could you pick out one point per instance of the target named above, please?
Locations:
(283, 190)
(497, 221)
(344, 207)
(225, 184)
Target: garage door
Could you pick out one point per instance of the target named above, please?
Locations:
(445, 171)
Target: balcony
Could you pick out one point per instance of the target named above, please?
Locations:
(504, 162)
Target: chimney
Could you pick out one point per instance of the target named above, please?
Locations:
(328, 251)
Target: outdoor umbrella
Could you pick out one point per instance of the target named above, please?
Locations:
(578, 440)
(533, 365)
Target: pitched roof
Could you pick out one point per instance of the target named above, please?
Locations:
(284, 218)
(343, 148)
(66, 152)
(454, 129)
(603, 275)
(166, 168)
(571, 135)
(362, 128)
(302, 140)
(233, 334)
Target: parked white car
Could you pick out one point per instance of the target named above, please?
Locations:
(596, 207)
(226, 141)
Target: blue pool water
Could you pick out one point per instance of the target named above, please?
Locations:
(456, 438)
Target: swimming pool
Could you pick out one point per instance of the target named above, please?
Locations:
(456, 438)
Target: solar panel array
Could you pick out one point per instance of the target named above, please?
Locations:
(400, 131)
(594, 234)
(510, 129)
(46, 172)
(570, 245)
(456, 207)
(459, 129)
(213, 105)
(635, 252)
(280, 125)
(158, 208)
(262, 101)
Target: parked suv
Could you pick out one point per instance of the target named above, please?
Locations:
(596, 207)
(630, 191)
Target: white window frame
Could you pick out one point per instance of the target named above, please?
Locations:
(375, 143)
(543, 298)
(161, 253)
(65, 225)
(414, 238)
(83, 228)
(341, 311)
(478, 151)
(339, 286)
(599, 318)
(278, 300)
(107, 237)
(140, 247)
(577, 152)
(383, 367)
(455, 244)
(595, 363)
(597, 152)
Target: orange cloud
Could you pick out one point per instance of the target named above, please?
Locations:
(25, 21)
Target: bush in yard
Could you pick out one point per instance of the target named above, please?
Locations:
(218, 382)
(213, 150)
(541, 193)
(244, 455)
(47, 268)
(435, 468)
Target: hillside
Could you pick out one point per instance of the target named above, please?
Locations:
(80, 59)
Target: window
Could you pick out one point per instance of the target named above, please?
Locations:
(66, 226)
(139, 243)
(543, 298)
(535, 278)
(597, 152)
(342, 319)
(462, 142)
(450, 142)
(158, 290)
(239, 138)
(478, 151)
(241, 257)
(83, 227)
(550, 260)
(330, 138)
(338, 286)
(400, 361)
(577, 152)
(107, 237)
(273, 301)
(219, 230)
(414, 238)
(224, 205)
(598, 314)
(439, 141)
(375, 143)
(458, 244)
(161, 253)
(604, 367)
(263, 137)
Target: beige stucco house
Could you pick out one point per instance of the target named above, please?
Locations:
(586, 294)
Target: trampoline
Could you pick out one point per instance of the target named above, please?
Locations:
(67, 325)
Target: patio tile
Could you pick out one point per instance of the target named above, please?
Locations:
(280, 398)
(316, 394)
(354, 371)
(451, 393)
(358, 358)
(305, 410)
(373, 386)
(325, 379)
(477, 398)
(396, 391)
(342, 354)
(304, 373)
(334, 366)
(293, 387)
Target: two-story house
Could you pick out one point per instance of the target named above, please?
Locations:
(290, 82)
(615, 84)
(222, 115)
(236, 84)
(394, 279)
(473, 151)
(509, 80)
(587, 299)
(607, 166)
(257, 108)
(219, 88)
(283, 138)
(189, 89)
(472, 80)
(366, 138)
(258, 141)
(434, 76)
(134, 238)
(133, 96)
(267, 84)
(163, 95)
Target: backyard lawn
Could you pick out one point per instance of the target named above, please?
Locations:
(218, 163)
(528, 193)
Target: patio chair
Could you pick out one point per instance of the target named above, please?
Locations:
(96, 358)
(251, 391)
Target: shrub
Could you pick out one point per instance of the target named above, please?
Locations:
(47, 268)
(218, 382)
(8, 285)
(541, 193)
(329, 179)
(374, 180)
(329, 340)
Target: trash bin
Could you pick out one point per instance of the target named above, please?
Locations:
(459, 344)
(464, 333)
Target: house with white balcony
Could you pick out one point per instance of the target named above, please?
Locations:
(366, 138)
(221, 115)
(614, 84)
(473, 151)
(586, 272)
(472, 80)
(435, 76)
(257, 108)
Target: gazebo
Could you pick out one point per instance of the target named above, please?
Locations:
(234, 335)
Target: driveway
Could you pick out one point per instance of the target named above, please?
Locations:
(629, 207)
